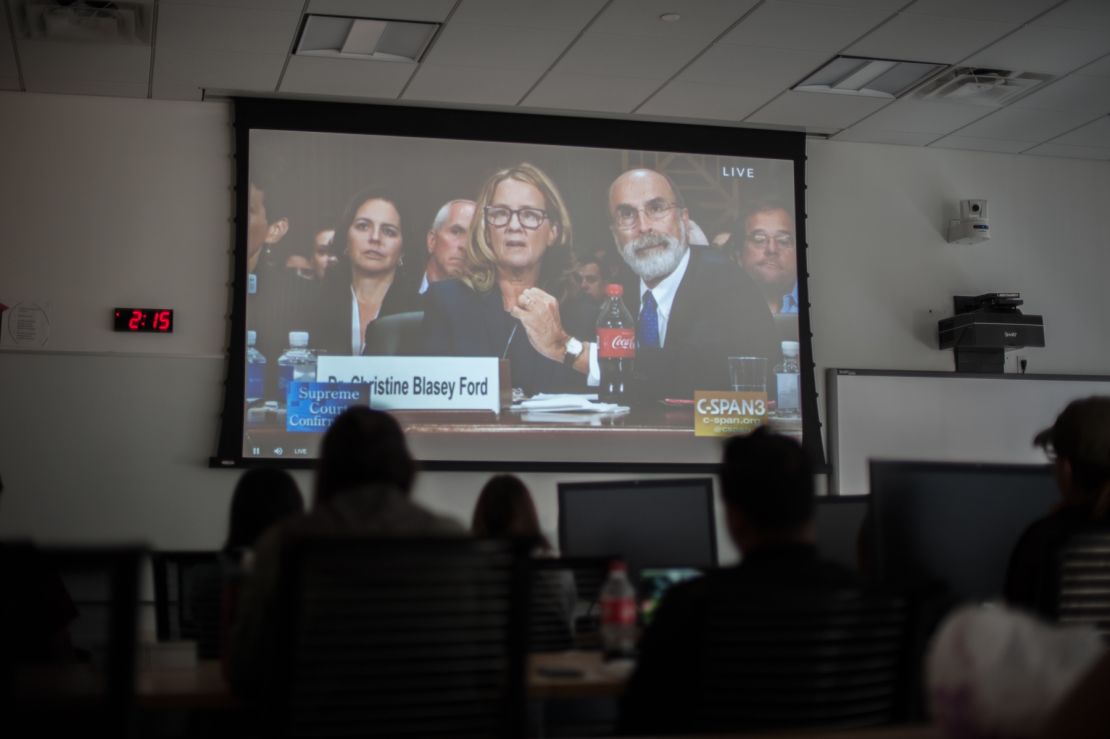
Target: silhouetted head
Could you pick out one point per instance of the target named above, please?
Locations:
(1079, 444)
(767, 487)
(262, 497)
(505, 508)
(363, 447)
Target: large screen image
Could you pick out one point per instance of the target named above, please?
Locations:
(515, 302)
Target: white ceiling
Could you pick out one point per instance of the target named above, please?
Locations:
(725, 62)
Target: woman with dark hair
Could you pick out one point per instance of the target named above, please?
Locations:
(363, 481)
(505, 509)
(368, 281)
(517, 252)
(263, 496)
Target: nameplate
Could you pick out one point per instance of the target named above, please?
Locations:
(727, 413)
(312, 406)
(419, 383)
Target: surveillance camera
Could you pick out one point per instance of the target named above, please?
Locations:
(973, 209)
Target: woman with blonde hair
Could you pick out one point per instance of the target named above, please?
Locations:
(519, 245)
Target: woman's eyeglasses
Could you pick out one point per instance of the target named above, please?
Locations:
(499, 216)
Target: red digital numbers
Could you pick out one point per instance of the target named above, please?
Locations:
(136, 320)
(162, 320)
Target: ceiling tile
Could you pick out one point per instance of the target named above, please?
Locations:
(565, 14)
(888, 6)
(183, 74)
(700, 101)
(704, 19)
(1074, 92)
(446, 83)
(1099, 68)
(1025, 124)
(816, 109)
(928, 38)
(586, 92)
(226, 29)
(92, 69)
(1079, 14)
(711, 88)
(777, 68)
(498, 47)
(800, 25)
(346, 77)
(980, 144)
(919, 116)
(1095, 133)
(1015, 12)
(1070, 152)
(627, 56)
(434, 11)
(901, 138)
(1044, 49)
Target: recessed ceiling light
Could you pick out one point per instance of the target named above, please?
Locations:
(882, 78)
(670, 17)
(364, 38)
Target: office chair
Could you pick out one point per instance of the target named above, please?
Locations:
(1084, 596)
(389, 637)
(833, 659)
(187, 598)
(393, 335)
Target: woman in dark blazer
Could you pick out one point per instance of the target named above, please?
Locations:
(367, 283)
(518, 249)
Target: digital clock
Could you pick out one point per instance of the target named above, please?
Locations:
(155, 320)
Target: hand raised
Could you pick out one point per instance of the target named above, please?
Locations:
(538, 311)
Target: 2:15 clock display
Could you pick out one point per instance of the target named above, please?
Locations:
(154, 320)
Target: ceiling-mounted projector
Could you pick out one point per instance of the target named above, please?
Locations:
(973, 226)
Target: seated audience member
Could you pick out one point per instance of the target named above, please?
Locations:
(363, 483)
(768, 495)
(36, 610)
(769, 254)
(262, 497)
(1084, 712)
(1079, 444)
(505, 509)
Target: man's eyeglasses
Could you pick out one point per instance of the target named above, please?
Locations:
(762, 239)
(499, 216)
(654, 210)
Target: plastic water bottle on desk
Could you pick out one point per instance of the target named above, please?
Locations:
(256, 369)
(787, 376)
(296, 364)
(618, 614)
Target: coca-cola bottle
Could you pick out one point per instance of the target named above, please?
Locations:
(616, 347)
(618, 613)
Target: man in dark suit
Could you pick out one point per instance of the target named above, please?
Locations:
(694, 307)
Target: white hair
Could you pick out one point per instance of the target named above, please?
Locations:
(445, 211)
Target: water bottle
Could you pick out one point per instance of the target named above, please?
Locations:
(256, 369)
(616, 347)
(618, 614)
(296, 364)
(787, 375)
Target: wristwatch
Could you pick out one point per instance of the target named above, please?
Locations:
(573, 349)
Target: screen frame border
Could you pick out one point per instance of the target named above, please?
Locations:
(519, 128)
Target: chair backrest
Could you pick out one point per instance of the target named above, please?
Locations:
(393, 335)
(187, 597)
(1084, 596)
(832, 659)
(95, 697)
(553, 579)
(391, 637)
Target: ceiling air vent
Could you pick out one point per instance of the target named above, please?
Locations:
(978, 86)
(878, 78)
(364, 38)
(87, 21)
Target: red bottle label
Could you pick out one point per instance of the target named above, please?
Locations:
(618, 611)
(613, 343)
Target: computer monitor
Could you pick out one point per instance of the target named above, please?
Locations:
(952, 522)
(647, 523)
